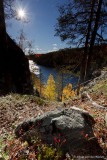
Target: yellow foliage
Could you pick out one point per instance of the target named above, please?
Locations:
(68, 92)
(50, 90)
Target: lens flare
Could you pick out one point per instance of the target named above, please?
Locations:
(21, 13)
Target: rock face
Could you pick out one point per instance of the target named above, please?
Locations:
(69, 127)
(15, 74)
(102, 76)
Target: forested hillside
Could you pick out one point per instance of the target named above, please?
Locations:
(73, 58)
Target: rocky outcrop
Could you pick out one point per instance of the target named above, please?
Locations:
(96, 73)
(67, 127)
(101, 76)
(14, 71)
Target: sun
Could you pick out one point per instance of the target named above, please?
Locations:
(21, 13)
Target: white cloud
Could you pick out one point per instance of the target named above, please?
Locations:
(38, 49)
(27, 50)
(55, 48)
(54, 44)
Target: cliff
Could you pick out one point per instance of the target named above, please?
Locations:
(14, 70)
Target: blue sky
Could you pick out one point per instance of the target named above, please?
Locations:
(42, 16)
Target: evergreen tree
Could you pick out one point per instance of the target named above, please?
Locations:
(83, 23)
(50, 90)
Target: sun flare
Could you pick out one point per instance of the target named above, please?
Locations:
(21, 13)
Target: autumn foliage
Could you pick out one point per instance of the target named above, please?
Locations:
(68, 92)
(50, 89)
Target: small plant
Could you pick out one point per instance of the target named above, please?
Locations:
(59, 142)
(37, 150)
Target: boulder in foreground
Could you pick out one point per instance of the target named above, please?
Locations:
(69, 127)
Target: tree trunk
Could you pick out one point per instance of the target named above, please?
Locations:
(93, 37)
(85, 55)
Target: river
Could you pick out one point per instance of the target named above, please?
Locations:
(45, 72)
